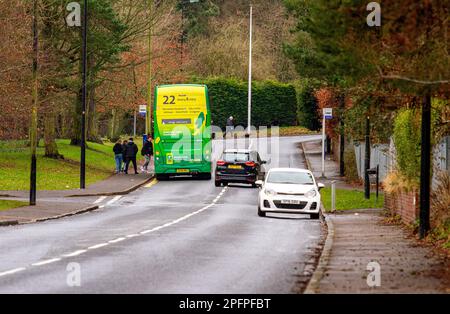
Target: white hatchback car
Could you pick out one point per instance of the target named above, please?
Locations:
(290, 191)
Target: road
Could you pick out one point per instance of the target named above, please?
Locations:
(179, 236)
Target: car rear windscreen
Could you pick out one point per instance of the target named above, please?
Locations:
(236, 157)
(287, 177)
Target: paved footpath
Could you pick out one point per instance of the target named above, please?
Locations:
(57, 204)
(361, 237)
(357, 238)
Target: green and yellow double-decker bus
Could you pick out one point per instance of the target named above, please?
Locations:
(182, 131)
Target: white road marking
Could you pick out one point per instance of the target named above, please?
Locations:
(115, 199)
(132, 236)
(117, 240)
(49, 261)
(76, 253)
(12, 271)
(100, 199)
(97, 246)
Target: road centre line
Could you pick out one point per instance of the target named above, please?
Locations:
(76, 253)
(12, 271)
(117, 240)
(79, 252)
(49, 261)
(97, 246)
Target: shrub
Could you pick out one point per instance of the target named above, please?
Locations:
(440, 213)
(407, 140)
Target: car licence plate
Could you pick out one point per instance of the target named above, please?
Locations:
(290, 202)
(234, 167)
(182, 170)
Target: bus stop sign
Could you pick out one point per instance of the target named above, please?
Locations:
(328, 113)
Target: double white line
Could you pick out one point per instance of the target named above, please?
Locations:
(101, 199)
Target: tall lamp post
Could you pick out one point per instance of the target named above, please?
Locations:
(74, 19)
(149, 114)
(84, 96)
(249, 122)
(33, 128)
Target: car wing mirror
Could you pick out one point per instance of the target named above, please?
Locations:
(320, 186)
(259, 183)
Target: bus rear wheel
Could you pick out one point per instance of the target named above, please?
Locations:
(162, 177)
(205, 176)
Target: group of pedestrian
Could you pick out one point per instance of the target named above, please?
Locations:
(126, 152)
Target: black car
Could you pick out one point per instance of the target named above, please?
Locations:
(239, 166)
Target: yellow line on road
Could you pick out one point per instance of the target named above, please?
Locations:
(154, 182)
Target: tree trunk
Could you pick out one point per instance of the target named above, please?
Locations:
(51, 149)
(76, 123)
(92, 127)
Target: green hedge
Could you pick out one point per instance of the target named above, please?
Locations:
(407, 139)
(273, 103)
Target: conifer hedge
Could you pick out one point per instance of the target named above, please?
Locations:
(273, 103)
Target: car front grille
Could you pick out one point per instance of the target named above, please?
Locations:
(302, 205)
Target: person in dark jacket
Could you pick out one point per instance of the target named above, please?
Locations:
(118, 155)
(147, 152)
(230, 126)
(131, 151)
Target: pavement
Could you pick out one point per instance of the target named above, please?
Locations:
(360, 243)
(176, 236)
(313, 155)
(58, 204)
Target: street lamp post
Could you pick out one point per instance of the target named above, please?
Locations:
(33, 128)
(425, 165)
(249, 122)
(84, 96)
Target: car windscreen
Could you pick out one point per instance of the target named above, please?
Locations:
(290, 177)
(236, 157)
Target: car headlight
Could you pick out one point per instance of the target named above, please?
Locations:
(310, 194)
(270, 192)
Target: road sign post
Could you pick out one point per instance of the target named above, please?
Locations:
(327, 115)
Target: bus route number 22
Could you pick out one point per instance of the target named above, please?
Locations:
(169, 100)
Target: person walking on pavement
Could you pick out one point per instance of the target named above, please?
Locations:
(124, 157)
(131, 151)
(230, 126)
(118, 156)
(147, 152)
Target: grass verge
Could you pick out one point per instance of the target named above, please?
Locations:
(350, 199)
(7, 205)
(54, 174)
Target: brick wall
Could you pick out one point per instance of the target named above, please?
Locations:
(405, 204)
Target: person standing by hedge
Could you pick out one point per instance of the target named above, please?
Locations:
(230, 126)
(118, 155)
